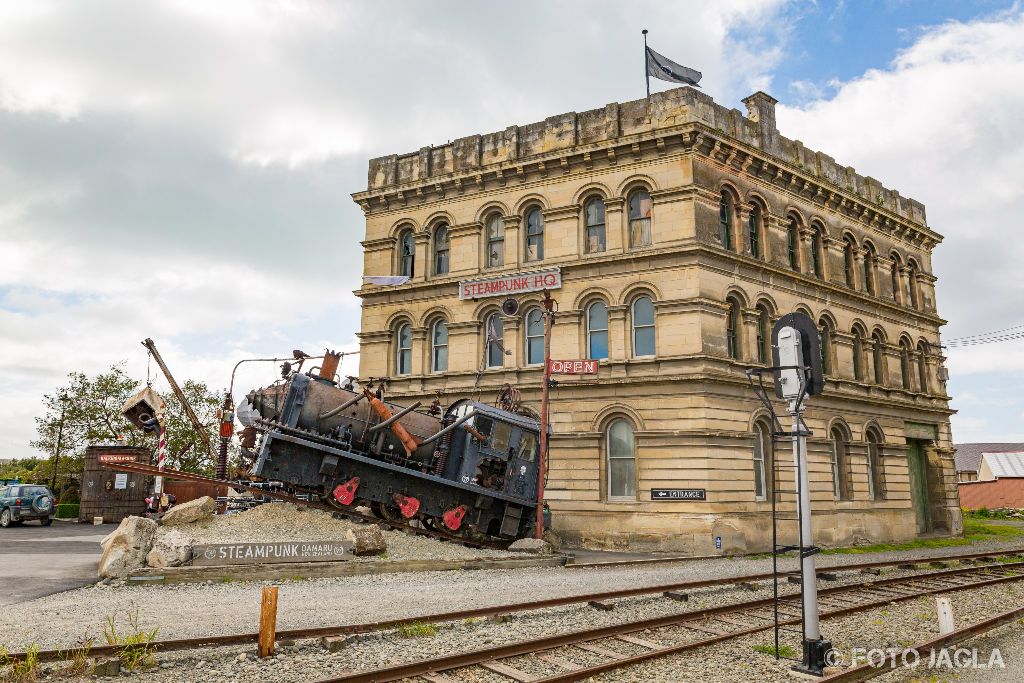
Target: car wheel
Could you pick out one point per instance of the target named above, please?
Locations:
(46, 521)
(5, 518)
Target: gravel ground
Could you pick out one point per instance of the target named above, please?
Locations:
(281, 521)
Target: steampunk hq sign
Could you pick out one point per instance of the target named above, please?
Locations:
(513, 283)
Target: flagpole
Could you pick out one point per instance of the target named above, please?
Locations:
(647, 72)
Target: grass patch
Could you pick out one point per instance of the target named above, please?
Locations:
(135, 645)
(416, 629)
(975, 529)
(784, 650)
(22, 671)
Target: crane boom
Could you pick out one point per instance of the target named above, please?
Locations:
(193, 418)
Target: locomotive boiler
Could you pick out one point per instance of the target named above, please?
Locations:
(470, 470)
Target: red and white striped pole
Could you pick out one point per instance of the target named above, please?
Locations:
(161, 455)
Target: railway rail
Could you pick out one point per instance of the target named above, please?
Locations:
(583, 654)
(676, 587)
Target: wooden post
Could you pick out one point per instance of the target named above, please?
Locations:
(268, 621)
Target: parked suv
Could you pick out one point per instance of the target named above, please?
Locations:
(25, 501)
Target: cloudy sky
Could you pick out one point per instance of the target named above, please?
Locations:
(181, 169)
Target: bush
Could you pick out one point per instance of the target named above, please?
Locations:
(66, 511)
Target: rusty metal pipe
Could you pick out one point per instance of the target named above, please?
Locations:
(400, 414)
(334, 411)
(447, 429)
(408, 440)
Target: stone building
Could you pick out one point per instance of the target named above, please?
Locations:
(682, 230)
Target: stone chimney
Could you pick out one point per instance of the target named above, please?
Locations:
(761, 110)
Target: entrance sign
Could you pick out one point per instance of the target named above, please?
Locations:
(270, 553)
(513, 283)
(572, 367)
(678, 494)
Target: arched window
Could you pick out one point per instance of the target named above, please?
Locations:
(593, 212)
(441, 249)
(869, 269)
(407, 253)
(876, 474)
(439, 346)
(792, 245)
(534, 235)
(826, 345)
(639, 218)
(817, 256)
(621, 448)
(643, 326)
(764, 336)
(895, 273)
(922, 367)
(754, 230)
(858, 355)
(762, 457)
(597, 330)
(912, 285)
(495, 340)
(878, 358)
(534, 337)
(725, 220)
(849, 262)
(732, 330)
(495, 240)
(905, 365)
(840, 465)
(403, 349)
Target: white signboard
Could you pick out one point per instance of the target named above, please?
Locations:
(513, 283)
(121, 480)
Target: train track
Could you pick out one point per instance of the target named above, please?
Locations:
(583, 654)
(351, 514)
(671, 588)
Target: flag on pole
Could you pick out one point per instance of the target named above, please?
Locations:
(664, 68)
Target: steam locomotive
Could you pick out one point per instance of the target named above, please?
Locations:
(469, 470)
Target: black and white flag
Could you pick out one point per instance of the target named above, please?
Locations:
(664, 68)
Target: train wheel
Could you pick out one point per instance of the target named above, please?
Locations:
(389, 513)
(330, 501)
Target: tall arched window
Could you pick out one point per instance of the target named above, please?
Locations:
(905, 374)
(912, 285)
(439, 346)
(403, 349)
(593, 212)
(643, 326)
(495, 240)
(441, 249)
(732, 329)
(534, 235)
(876, 474)
(825, 328)
(762, 457)
(792, 245)
(495, 339)
(639, 218)
(817, 255)
(895, 274)
(858, 355)
(764, 336)
(840, 465)
(534, 337)
(725, 220)
(621, 448)
(597, 330)
(406, 253)
(878, 358)
(869, 269)
(754, 230)
(922, 367)
(849, 262)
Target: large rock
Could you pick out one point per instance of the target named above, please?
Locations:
(366, 540)
(126, 548)
(171, 549)
(537, 546)
(190, 512)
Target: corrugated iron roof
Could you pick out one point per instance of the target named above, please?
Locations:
(1005, 464)
(968, 455)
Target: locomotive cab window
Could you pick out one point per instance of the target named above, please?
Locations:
(500, 437)
(528, 447)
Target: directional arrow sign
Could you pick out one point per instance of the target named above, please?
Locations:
(678, 494)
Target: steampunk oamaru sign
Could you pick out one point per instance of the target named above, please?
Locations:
(270, 553)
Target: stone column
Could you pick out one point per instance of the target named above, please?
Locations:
(464, 255)
(514, 341)
(618, 333)
(615, 228)
(513, 241)
(420, 351)
(748, 339)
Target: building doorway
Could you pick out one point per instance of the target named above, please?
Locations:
(917, 466)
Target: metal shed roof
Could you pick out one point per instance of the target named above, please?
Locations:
(1005, 464)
